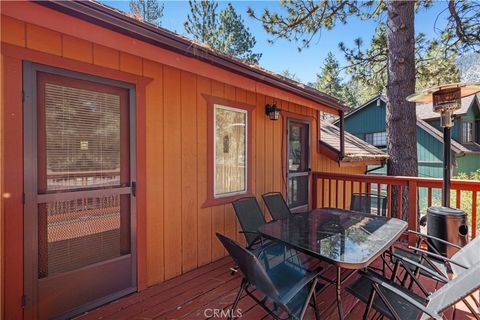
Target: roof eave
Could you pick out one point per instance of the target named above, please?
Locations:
(118, 22)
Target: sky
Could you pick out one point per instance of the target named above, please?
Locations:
(282, 54)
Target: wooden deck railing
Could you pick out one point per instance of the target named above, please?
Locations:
(335, 189)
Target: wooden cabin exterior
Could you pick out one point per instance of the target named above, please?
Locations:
(170, 96)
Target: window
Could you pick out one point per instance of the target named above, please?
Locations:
(467, 132)
(230, 141)
(229, 151)
(378, 139)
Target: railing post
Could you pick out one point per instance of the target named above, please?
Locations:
(412, 210)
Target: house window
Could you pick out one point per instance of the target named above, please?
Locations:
(229, 151)
(378, 139)
(467, 132)
(230, 145)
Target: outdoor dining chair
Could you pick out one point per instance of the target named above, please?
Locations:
(436, 266)
(277, 206)
(289, 286)
(397, 302)
(369, 203)
(250, 217)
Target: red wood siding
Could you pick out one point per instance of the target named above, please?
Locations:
(175, 234)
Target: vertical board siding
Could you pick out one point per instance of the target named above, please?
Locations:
(204, 228)
(189, 171)
(180, 233)
(172, 173)
(155, 181)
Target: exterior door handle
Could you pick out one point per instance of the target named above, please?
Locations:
(134, 188)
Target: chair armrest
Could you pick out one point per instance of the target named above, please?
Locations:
(437, 256)
(420, 266)
(244, 231)
(421, 235)
(387, 284)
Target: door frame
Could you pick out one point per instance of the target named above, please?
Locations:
(30, 265)
(303, 120)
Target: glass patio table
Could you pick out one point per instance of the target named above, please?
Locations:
(343, 238)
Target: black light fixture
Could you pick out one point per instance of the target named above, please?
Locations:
(272, 111)
(445, 100)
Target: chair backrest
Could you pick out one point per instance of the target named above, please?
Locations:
(468, 256)
(250, 216)
(250, 266)
(276, 205)
(452, 292)
(369, 203)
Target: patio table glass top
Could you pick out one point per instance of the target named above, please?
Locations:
(347, 239)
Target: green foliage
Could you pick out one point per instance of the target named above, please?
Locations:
(462, 31)
(202, 21)
(436, 66)
(147, 10)
(368, 66)
(468, 176)
(290, 75)
(303, 20)
(225, 32)
(330, 82)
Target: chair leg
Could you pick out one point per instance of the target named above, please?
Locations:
(305, 305)
(472, 310)
(368, 307)
(237, 298)
(315, 306)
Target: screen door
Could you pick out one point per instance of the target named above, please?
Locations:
(80, 198)
(298, 171)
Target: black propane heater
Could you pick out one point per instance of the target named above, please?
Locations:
(445, 222)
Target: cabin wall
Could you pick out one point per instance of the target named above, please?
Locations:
(180, 233)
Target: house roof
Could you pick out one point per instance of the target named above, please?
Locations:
(355, 149)
(425, 110)
(437, 134)
(381, 97)
(115, 20)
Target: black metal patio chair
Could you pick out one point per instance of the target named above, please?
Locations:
(250, 217)
(397, 302)
(369, 203)
(288, 286)
(277, 206)
(436, 266)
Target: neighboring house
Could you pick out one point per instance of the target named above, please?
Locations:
(367, 122)
(123, 145)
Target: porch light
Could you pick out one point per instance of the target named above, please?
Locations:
(445, 100)
(272, 111)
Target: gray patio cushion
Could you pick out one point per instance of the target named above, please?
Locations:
(452, 292)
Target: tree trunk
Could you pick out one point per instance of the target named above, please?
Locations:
(401, 117)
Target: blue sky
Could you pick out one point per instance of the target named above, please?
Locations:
(283, 54)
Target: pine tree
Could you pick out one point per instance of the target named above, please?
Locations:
(147, 10)
(330, 81)
(225, 32)
(234, 38)
(201, 22)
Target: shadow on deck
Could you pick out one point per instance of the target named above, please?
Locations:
(198, 293)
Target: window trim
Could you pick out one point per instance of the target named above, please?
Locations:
(212, 199)
(247, 120)
(463, 126)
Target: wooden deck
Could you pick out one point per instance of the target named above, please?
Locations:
(197, 293)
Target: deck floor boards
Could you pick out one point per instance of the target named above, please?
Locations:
(213, 287)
